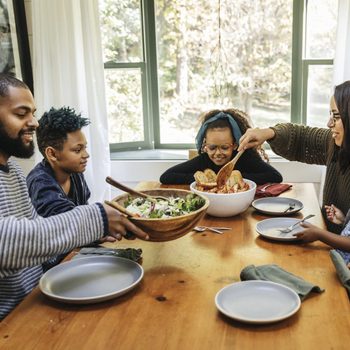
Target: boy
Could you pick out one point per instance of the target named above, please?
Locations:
(57, 183)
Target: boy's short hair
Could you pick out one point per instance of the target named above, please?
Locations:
(54, 126)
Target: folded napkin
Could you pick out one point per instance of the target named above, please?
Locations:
(128, 253)
(343, 271)
(271, 190)
(276, 274)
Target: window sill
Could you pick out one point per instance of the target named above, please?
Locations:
(156, 154)
(167, 154)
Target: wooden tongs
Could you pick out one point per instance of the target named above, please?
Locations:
(132, 191)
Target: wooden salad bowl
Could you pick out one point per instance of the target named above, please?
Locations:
(166, 229)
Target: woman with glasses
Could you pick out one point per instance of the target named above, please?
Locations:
(217, 143)
(330, 147)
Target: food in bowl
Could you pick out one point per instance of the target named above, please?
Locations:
(168, 228)
(161, 208)
(228, 204)
(206, 182)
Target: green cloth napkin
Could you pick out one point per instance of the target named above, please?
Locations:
(343, 271)
(128, 253)
(276, 274)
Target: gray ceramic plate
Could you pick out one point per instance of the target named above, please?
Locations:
(91, 279)
(269, 228)
(257, 301)
(277, 205)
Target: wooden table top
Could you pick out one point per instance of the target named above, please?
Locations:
(173, 307)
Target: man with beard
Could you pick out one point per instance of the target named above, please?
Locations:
(26, 239)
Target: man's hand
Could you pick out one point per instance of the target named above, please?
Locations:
(119, 226)
(255, 137)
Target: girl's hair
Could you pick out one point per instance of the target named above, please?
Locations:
(342, 100)
(241, 118)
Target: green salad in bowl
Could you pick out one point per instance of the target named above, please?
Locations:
(173, 206)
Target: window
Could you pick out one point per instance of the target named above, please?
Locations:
(166, 62)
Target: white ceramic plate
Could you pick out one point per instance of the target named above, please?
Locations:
(269, 229)
(91, 279)
(277, 205)
(257, 301)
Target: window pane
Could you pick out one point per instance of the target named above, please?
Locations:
(121, 30)
(208, 59)
(7, 62)
(321, 26)
(320, 89)
(124, 105)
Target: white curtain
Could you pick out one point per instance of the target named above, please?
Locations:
(341, 71)
(68, 71)
(342, 51)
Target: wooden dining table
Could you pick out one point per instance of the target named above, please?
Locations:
(173, 307)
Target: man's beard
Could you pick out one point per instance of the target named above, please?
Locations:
(15, 147)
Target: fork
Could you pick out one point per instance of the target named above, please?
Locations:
(210, 228)
(291, 207)
(291, 227)
(265, 187)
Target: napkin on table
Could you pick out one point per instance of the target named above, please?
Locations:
(274, 273)
(271, 190)
(128, 253)
(343, 271)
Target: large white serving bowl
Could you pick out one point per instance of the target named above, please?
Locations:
(228, 204)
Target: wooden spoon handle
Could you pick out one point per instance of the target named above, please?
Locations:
(120, 208)
(235, 159)
(125, 188)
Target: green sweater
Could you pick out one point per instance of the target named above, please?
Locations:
(313, 146)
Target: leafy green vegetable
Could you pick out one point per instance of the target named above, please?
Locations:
(174, 206)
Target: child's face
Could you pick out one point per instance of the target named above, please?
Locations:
(73, 157)
(219, 145)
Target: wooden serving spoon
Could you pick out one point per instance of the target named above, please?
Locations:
(120, 208)
(225, 172)
(132, 191)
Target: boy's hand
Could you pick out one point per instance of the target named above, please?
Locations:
(119, 226)
(334, 214)
(255, 137)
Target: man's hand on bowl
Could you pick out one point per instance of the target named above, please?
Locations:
(119, 226)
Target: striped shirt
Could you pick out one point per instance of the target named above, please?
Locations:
(27, 240)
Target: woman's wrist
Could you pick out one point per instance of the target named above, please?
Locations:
(270, 133)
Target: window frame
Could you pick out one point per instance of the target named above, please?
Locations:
(149, 77)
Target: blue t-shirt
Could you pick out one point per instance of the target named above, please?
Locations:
(346, 233)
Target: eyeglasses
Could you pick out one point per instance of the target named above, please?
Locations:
(211, 148)
(334, 116)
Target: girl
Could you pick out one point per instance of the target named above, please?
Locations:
(217, 143)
